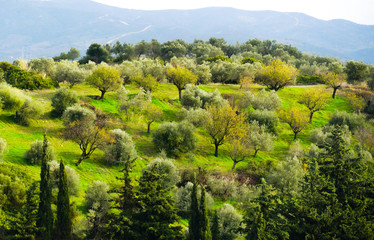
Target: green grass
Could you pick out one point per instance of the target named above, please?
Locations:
(19, 138)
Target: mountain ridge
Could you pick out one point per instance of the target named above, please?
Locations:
(46, 28)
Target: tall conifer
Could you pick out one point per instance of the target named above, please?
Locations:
(204, 219)
(63, 206)
(45, 216)
(194, 224)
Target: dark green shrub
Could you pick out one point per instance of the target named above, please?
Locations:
(308, 79)
(251, 60)
(62, 99)
(174, 137)
(218, 57)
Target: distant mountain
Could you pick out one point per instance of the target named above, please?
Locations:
(35, 28)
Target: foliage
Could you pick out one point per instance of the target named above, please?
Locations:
(157, 218)
(3, 148)
(12, 99)
(218, 57)
(29, 110)
(43, 66)
(194, 97)
(323, 136)
(105, 78)
(70, 72)
(36, 153)
(277, 75)
(239, 147)
(151, 113)
(314, 100)
(96, 53)
(71, 176)
(262, 101)
(193, 116)
(263, 218)
(334, 80)
(84, 128)
(353, 121)
(229, 221)
(356, 71)
(259, 139)
(357, 103)
(121, 149)
(295, 118)
(180, 77)
(71, 55)
(307, 79)
(97, 196)
(62, 99)
(27, 80)
(45, 215)
(266, 118)
(221, 123)
(167, 170)
(64, 221)
(183, 199)
(148, 83)
(288, 176)
(174, 137)
(250, 60)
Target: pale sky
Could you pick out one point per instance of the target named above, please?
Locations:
(359, 11)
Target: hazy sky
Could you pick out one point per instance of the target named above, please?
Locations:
(359, 11)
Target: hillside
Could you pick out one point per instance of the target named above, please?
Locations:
(46, 28)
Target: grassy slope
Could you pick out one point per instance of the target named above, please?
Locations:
(19, 138)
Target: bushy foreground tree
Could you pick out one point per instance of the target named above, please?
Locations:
(174, 137)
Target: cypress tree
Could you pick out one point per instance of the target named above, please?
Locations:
(157, 218)
(194, 224)
(204, 219)
(45, 216)
(215, 226)
(63, 206)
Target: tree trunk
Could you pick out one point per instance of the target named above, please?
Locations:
(334, 92)
(149, 128)
(216, 150)
(102, 94)
(255, 154)
(295, 136)
(311, 116)
(82, 157)
(233, 166)
(180, 94)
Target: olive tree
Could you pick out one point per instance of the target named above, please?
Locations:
(84, 128)
(105, 78)
(296, 118)
(2, 148)
(277, 75)
(151, 113)
(62, 99)
(121, 150)
(180, 77)
(334, 80)
(259, 138)
(35, 154)
(174, 137)
(167, 170)
(315, 100)
(221, 123)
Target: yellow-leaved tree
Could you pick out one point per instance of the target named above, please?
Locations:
(221, 123)
(277, 75)
(296, 118)
(334, 80)
(315, 100)
(180, 77)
